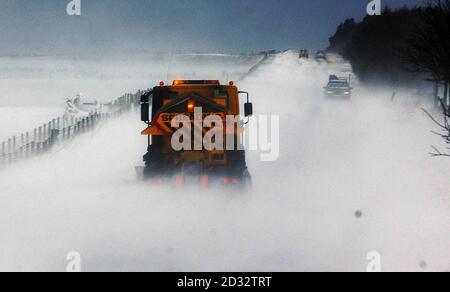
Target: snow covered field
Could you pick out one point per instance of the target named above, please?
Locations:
(50, 80)
(34, 89)
(14, 119)
(367, 154)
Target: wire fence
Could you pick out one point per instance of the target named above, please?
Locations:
(43, 137)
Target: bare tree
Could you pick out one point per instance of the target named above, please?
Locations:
(428, 48)
(428, 51)
(444, 130)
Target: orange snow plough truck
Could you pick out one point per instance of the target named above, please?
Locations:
(181, 146)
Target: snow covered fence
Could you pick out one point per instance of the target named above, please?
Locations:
(42, 138)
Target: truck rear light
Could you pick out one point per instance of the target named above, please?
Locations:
(230, 181)
(204, 180)
(159, 181)
(234, 181)
(179, 180)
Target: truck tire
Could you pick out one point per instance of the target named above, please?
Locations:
(154, 161)
(237, 167)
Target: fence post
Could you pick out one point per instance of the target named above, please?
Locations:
(3, 152)
(14, 148)
(54, 137)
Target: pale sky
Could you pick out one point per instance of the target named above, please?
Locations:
(43, 26)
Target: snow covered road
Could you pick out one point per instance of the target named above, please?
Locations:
(337, 157)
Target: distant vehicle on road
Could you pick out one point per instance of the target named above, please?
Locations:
(304, 53)
(321, 56)
(338, 86)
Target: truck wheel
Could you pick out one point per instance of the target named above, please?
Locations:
(237, 167)
(154, 163)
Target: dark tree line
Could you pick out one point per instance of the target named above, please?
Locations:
(428, 51)
(428, 47)
(402, 46)
(373, 45)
